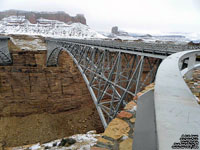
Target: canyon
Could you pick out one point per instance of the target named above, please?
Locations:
(39, 103)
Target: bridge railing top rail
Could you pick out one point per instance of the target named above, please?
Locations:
(171, 48)
(177, 111)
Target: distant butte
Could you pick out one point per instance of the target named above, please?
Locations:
(32, 16)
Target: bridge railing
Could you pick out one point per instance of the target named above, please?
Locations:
(176, 109)
(164, 48)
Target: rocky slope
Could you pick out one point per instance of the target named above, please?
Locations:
(33, 16)
(39, 103)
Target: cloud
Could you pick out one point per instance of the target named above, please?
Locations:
(154, 15)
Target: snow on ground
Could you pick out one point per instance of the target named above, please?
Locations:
(83, 142)
(162, 38)
(195, 37)
(13, 25)
(33, 43)
(176, 37)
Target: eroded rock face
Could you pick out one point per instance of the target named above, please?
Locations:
(39, 103)
(33, 16)
(114, 30)
(116, 129)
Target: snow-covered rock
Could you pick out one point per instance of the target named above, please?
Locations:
(83, 142)
(46, 28)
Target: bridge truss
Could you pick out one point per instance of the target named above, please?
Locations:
(112, 76)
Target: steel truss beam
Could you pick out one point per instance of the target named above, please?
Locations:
(113, 78)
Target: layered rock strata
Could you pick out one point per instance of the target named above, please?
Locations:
(33, 16)
(39, 103)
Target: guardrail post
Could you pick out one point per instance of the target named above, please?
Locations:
(191, 64)
(145, 136)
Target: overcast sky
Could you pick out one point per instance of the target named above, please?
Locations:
(152, 16)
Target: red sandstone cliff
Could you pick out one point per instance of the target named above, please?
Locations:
(40, 104)
(33, 16)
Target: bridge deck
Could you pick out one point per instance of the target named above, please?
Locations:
(156, 50)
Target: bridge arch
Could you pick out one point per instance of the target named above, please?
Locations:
(112, 76)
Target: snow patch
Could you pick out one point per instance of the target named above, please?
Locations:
(83, 142)
(46, 28)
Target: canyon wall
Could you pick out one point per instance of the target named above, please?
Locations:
(39, 103)
(33, 16)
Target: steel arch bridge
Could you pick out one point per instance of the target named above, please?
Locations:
(114, 72)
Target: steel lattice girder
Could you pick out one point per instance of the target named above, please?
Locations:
(113, 78)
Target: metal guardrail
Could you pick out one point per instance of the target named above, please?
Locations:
(164, 49)
(176, 109)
